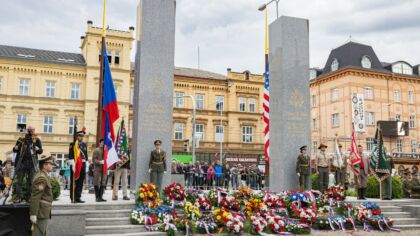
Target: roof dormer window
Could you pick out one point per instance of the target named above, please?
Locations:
(334, 64)
(366, 62)
(402, 68)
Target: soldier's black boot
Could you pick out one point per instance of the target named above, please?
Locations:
(96, 193)
(363, 192)
(359, 193)
(101, 194)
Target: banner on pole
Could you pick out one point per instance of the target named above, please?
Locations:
(358, 112)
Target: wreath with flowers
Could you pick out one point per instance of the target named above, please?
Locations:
(336, 192)
(304, 214)
(203, 203)
(191, 211)
(252, 206)
(174, 192)
(275, 223)
(221, 216)
(147, 195)
(259, 224)
(230, 202)
(235, 224)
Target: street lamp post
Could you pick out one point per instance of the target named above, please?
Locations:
(264, 6)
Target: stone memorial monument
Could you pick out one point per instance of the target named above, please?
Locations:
(289, 98)
(153, 86)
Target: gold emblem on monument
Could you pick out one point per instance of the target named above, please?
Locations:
(296, 98)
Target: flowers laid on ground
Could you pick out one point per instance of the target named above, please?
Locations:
(174, 192)
(252, 212)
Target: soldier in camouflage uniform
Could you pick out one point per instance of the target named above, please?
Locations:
(303, 169)
(407, 185)
(387, 182)
(41, 198)
(157, 165)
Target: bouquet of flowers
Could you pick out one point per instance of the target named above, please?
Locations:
(137, 217)
(275, 223)
(203, 203)
(230, 202)
(259, 224)
(191, 211)
(243, 193)
(336, 193)
(221, 216)
(213, 196)
(192, 194)
(147, 195)
(295, 228)
(252, 206)
(175, 192)
(306, 215)
(235, 224)
(274, 201)
(207, 228)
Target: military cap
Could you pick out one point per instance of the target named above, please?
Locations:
(81, 133)
(303, 147)
(158, 142)
(46, 159)
(322, 145)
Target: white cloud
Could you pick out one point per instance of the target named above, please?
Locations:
(230, 33)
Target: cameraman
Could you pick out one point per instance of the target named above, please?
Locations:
(27, 149)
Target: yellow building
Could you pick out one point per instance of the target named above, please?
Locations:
(48, 89)
(391, 92)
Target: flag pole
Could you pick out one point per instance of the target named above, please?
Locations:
(267, 157)
(73, 189)
(101, 79)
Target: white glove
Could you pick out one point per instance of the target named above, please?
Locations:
(33, 219)
(71, 164)
(101, 162)
(16, 147)
(36, 148)
(298, 174)
(150, 170)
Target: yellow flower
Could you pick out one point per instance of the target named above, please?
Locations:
(225, 214)
(218, 218)
(141, 195)
(150, 194)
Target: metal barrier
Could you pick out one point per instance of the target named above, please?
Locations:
(220, 180)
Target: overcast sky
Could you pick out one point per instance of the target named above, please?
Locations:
(230, 33)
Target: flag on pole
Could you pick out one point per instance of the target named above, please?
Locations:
(378, 162)
(109, 115)
(78, 160)
(121, 145)
(355, 157)
(266, 99)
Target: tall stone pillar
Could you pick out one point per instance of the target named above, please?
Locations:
(289, 98)
(153, 86)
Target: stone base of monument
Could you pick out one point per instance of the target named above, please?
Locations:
(92, 218)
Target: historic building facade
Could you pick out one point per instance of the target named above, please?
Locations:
(49, 89)
(391, 92)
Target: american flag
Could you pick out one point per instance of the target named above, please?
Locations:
(266, 100)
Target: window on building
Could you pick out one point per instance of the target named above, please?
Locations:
(75, 91)
(366, 62)
(398, 117)
(220, 100)
(109, 54)
(132, 96)
(315, 123)
(60, 157)
(50, 89)
(199, 100)
(251, 104)
(247, 134)
(48, 124)
(179, 99)
(397, 95)
(369, 144)
(117, 57)
(413, 146)
(219, 133)
(402, 68)
(335, 120)
(242, 104)
(21, 123)
(334, 65)
(314, 100)
(411, 96)
(1, 83)
(412, 121)
(334, 94)
(72, 121)
(24, 87)
(399, 145)
(370, 118)
(314, 147)
(179, 131)
(368, 92)
(199, 131)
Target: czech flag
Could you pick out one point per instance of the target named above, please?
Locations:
(109, 115)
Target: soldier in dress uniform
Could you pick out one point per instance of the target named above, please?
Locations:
(79, 182)
(303, 168)
(323, 162)
(99, 178)
(387, 182)
(157, 165)
(362, 179)
(27, 149)
(41, 198)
